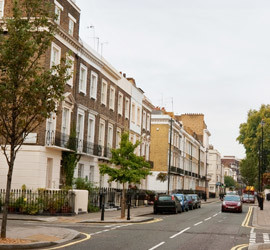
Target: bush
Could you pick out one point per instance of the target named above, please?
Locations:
(83, 184)
(92, 209)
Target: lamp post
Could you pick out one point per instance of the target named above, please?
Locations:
(170, 152)
(205, 198)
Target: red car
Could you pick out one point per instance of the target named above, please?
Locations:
(232, 203)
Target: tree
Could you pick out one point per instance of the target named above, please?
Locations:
(249, 170)
(162, 177)
(229, 181)
(28, 91)
(126, 167)
(251, 135)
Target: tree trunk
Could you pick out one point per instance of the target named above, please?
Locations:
(8, 187)
(123, 202)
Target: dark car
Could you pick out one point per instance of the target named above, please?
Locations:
(197, 200)
(232, 203)
(167, 203)
(183, 200)
(248, 198)
(191, 202)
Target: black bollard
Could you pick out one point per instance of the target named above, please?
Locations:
(102, 208)
(129, 205)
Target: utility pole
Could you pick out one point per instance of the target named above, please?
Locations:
(206, 176)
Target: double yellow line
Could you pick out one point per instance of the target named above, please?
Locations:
(245, 224)
(246, 220)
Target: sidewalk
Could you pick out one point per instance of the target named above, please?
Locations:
(261, 220)
(40, 236)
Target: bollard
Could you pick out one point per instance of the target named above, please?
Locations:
(102, 212)
(128, 214)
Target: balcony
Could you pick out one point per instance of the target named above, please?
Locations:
(173, 170)
(55, 138)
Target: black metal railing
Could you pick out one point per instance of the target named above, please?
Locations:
(55, 138)
(39, 202)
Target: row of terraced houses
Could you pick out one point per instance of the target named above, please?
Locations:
(100, 103)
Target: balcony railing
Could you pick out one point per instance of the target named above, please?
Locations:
(54, 138)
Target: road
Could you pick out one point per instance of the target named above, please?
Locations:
(204, 228)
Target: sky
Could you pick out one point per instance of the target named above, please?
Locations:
(190, 56)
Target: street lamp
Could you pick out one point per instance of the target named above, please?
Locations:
(205, 197)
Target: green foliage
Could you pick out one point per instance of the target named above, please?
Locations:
(92, 209)
(126, 167)
(70, 159)
(248, 170)
(229, 181)
(83, 184)
(251, 135)
(162, 177)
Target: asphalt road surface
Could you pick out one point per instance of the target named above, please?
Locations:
(204, 228)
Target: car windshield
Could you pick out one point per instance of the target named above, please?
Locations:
(232, 198)
(179, 197)
(248, 196)
(164, 198)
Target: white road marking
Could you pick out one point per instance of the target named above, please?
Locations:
(198, 223)
(215, 215)
(158, 245)
(207, 218)
(180, 232)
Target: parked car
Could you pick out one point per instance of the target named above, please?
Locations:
(183, 200)
(232, 203)
(248, 198)
(197, 200)
(167, 203)
(191, 201)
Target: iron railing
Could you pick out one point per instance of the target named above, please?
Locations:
(39, 202)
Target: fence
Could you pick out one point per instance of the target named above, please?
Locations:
(112, 197)
(44, 202)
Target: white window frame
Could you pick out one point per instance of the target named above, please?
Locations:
(66, 121)
(104, 87)
(138, 116)
(82, 82)
(80, 130)
(118, 138)
(71, 24)
(133, 112)
(57, 10)
(112, 98)
(144, 120)
(91, 128)
(127, 102)
(58, 59)
(2, 8)
(93, 85)
(110, 140)
(70, 71)
(120, 103)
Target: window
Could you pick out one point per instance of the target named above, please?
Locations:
(55, 55)
(93, 85)
(80, 129)
(91, 128)
(110, 136)
(83, 79)
(120, 103)
(138, 117)
(148, 122)
(112, 98)
(70, 71)
(101, 136)
(144, 120)
(127, 108)
(91, 174)
(71, 24)
(133, 113)
(118, 137)
(65, 121)
(104, 92)
(80, 170)
(2, 2)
